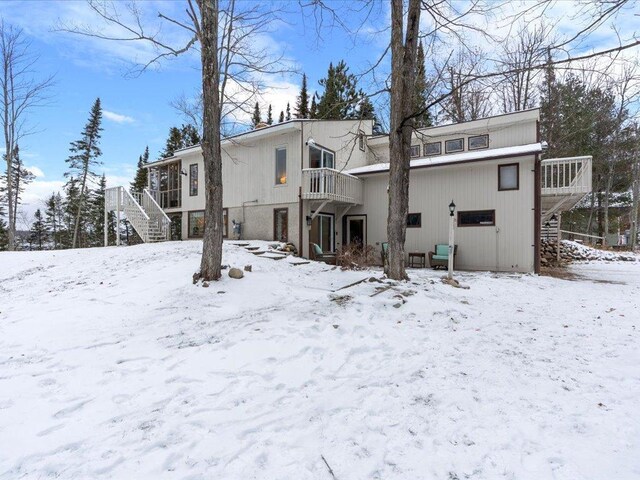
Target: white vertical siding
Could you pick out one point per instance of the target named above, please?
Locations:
(507, 246)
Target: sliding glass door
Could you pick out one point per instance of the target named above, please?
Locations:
(322, 232)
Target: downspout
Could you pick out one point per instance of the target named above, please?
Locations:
(537, 205)
(300, 206)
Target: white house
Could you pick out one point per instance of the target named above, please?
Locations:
(325, 182)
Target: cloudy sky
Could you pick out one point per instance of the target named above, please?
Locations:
(137, 110)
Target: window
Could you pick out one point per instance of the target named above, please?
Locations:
(478, 142)
(320, 157)
(414, 220)
(361, 140)
(166, 185)
(477, 218)
(193, 180)
(434, 148)
(452, 146)
(225, 223)
(281, 166)
(415, 151)
(280, 224)
(509, 177)
(196, 224)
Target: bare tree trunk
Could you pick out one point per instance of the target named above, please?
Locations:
(76, 227)
(210, 265)
(403, 65)
(636, 198)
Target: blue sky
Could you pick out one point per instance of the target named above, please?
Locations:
(137, 109)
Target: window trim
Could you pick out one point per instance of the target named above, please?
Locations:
(189, 224)
(446, 147)
(361, 145)
(419, 225)
(191, 194)
(424, 148)
(417, 145)
(486, 135)
(317, 146)
(275, 160)
(517, 187)
(493, 212)
(275, 213)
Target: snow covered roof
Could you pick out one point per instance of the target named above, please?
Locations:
(491, 154)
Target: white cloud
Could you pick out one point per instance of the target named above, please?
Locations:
(117, 117)
(36, 171)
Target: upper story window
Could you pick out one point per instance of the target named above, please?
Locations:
(320, 157)
(478, 142)
(193, 180)
(509, 176)
(434, 148)
(281, 166)
(453, 146)
(166, 184)
(415, 151)
(361, 140)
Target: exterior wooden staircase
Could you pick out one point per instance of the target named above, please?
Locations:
(141, 210)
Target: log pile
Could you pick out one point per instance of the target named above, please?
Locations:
(576, 252)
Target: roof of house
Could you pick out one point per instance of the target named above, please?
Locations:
(455, 158)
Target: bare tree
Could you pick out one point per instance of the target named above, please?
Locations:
(635, 184)
(20, 94)
(404, 50)
(230, 59)
(520, 55)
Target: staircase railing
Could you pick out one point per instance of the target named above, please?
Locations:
(119, 199)
(566, 176)
(157, 217)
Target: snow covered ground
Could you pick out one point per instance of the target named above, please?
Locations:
(114, 365)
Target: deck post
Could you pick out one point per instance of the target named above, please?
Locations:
(118, 218)
(106, 225)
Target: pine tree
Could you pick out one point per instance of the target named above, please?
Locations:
(257, 117)
(142, 174)
(189, 136)
(4, 234)
(54, 218)
(70, 207)
(20, 178)
(85, 154)
(313, 110)
(288, 117)
(338, 101)
(421, 101)
(302, 100)
(281, 117)
(38, 234)
(97, 213)
(174, 142)
(269, 116)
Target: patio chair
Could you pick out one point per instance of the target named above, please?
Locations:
(440, 256)
(316, 253)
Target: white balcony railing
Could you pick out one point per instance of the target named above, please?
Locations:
(330, 184)
(566, 176)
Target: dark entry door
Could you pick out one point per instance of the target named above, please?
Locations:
(175, 228)
(357, 230)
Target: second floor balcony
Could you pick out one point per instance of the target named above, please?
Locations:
(330, 184)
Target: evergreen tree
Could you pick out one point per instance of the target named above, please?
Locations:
(338, 101)
(96, 237)
(281, 117)
(54, 218)
(302, 101)
(174, 142)
(4, 234)
(288, 117)
(84, 156)
(38, 234)
(189, 136)
(313, 110)
(257, 117)
(142, 174)
(421, 101)
(269, 116)
(70, 207)
(20, 178)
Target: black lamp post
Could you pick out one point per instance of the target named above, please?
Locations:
(452, 209)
